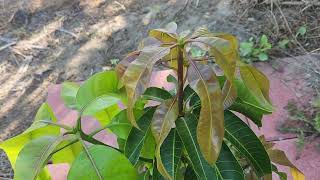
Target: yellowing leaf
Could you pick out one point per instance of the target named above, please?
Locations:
(210, 129)
(296, 174)
(137, 76)
(125, 62)
(162, 122)
(166, 35)
(229, 94)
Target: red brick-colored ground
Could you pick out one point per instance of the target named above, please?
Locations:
(281, 93)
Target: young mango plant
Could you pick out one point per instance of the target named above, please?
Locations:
(189, 132)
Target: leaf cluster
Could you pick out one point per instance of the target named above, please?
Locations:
(188, 132)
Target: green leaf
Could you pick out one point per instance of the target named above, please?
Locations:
(264, 41)
(301, 31)
(138, 73)
(186, 127)
(137, 137)
(69, 93)
(210, 129)
(105, 116)
(156, 94)
(111, 164)
(257, 83)
(170, 153)
(246, 142)
(248, 105)
(120, 124)
(98, 93)
(263, 56)
(283, 44)
(149, 146)
(67, 154)
(155, 173)
(34, 156)
(246, 49)
(190, 174)
(227, 166)
(162, 122)
(13, 146)
(166, 35)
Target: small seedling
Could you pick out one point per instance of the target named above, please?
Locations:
(252, 51)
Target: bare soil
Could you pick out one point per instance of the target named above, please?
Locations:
(43, 43)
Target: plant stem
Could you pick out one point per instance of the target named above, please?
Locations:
(86, 150)
(180, 81)
(56, 124)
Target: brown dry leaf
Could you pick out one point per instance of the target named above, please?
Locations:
(210, 129)
(137, 76)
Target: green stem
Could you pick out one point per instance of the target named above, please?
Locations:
(69, 144)
(86, 150)
(56, 124)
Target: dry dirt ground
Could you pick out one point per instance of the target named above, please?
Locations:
(45, 42)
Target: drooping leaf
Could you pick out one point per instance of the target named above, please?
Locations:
(224, 48)
(247, 143)
(13, 146)
(247, 104)
(136, 138)
(69, 93)
(229, 93)
(111, 164)
(162, 122)
(124, 63)
(256, 82)
(137, 75)
(98, 93)
(210, 129)
(170, 153)
(279, 157)
(227, 166)
(156, 94)
(34, 156)
(186, 127)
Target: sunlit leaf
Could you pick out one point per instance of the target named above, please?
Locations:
(170, 153)
(13, 146)
(162, 122)
(105, 116)
(98, 93)
(246, 142)
(111, 164)
(137, 76)
(137, 137)
(34, 156)
(125, 62)
(67, 154)
(68, 94)
(210, 129)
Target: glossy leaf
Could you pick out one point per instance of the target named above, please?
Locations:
(210, 129)
(69, 93)
(227, 166)
(111, 164)
(246, 142)
(137, 76)
(156, 94)
(162, 122)
(247, 104)
(137, 137)
(170, 153)
(13, 146)
(98, 93)
(34, 156)
(256, 82)
(120, 124)
(186, 127)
